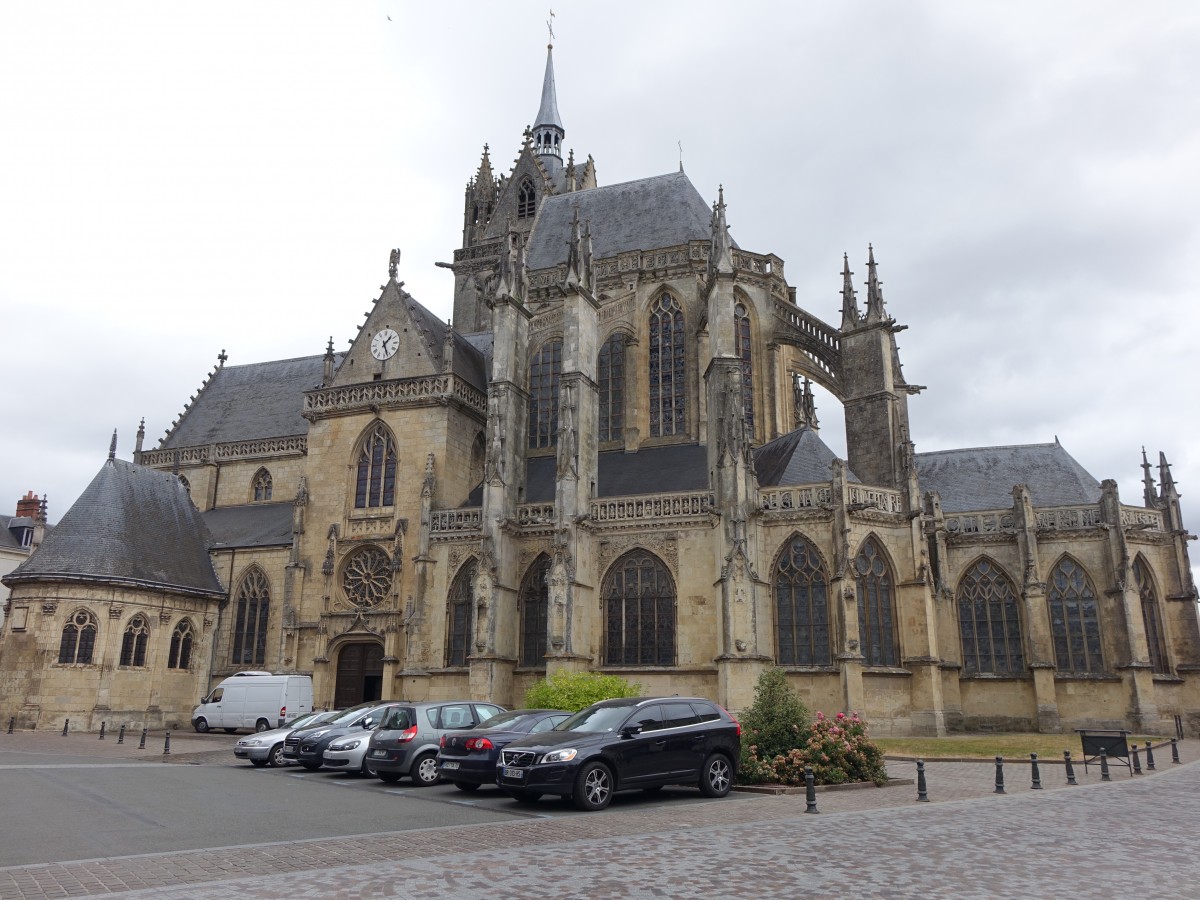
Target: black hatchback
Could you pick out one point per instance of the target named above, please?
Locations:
(623, 745)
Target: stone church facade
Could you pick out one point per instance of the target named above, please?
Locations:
(609, 461)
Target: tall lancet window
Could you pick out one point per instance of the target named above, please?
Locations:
(668, 387)
(459, 609)
(611, 370)
(1155, 639)
(133, 642)
(1074, 619)
(876, 616)
(526, 200)
(742, 326)
(376, 482)
(801, 590)
(250, 619)
(544, 371)
(534, 604)
(990, 622)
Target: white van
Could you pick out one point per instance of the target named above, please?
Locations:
(257, 700)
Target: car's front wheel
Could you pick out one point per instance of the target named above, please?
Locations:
(262, 725)
(425, 770)
(593, 787)
(275, 757)
(716, 778)
(258, 763)
(201, 726)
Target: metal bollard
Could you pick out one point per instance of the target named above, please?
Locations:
(12, 720)
(810, 791)
(1149, 757)
(121, 734)
(922, 791)
(999, 776)
(1070, 768)
(1104, 776)
(167, 744)
(1174, 751)
(102, 724)
(142, 742)
(66, 725)
(1137, 760)
(1037, 775)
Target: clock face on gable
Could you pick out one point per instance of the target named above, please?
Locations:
(385, 344)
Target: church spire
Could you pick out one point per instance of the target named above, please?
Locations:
(1166, 481)
(875, 311)
(1148, 492)
(850, 315)
(548, 130)
(720, 253)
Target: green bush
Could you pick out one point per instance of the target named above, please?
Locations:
(776, 722)
(575, 690)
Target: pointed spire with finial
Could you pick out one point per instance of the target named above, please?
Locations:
(572, 181)
(112, 446)
(327, 371)
(448, 348)
(875, 313)
(1149, 490)
(575, 274)
(141, 437)
(720, 253)
(850, 313)
(548, 132)
(1166, 481)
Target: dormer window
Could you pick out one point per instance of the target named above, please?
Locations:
(526, 200)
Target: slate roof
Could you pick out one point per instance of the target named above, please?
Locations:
(132, 526)
(662, 211)
(470, 363)
(242, 403)
(798, 457)
(983, 477)
(8, 540)
(251, 525)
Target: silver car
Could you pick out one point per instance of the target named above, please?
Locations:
(266, 747)
(406, 741)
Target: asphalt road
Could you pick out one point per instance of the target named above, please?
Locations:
(61, 808)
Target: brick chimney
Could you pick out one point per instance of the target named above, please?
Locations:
(29, 505)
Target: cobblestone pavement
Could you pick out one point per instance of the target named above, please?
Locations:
(1131, 836)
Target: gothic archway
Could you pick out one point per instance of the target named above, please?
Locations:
(359, 674)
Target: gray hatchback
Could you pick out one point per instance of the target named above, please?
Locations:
(406, 741)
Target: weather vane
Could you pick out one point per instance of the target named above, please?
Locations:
(550, 25)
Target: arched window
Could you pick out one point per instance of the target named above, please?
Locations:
(250, 621)
(133, 642)
(639, 611)
(367, 577)
(78, 638)
(376, 483)
(741, 320)
(668, 389)
(801, 590)
(1155, 640)
(1074, 619)
(478, 460)
(459, 616)
(610, 369)
(262, 485)
(526, 200)
(182, 640)
(876, 618)
(534, 602)
(544, 371)
(187, 485)
(989, 622)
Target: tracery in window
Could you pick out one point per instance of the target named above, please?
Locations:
(526, 200)
(534, 602)
(367, 577)
(668, 389)
(1155, 639)
(639, 611)
(741, 320)
(544, 371)
(876, 618)
(182, 639)
(989, 622)
(250, 619)
(133, 642)
(801, 590)
(1074, 619)
(459, 608)
(375, 485)
(78, 638)
(610, 370)
(262, 485)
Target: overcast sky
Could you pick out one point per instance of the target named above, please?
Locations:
(177, 179)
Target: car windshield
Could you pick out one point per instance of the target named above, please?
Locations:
(595, 718)
(503, 720)
(307, 719)
(352, 714)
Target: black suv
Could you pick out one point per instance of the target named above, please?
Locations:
(624, 745)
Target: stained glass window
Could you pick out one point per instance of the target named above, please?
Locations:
(376, 482)
(180, 656)
(1074, 619)
(742, 326)
(262, 485)
(876, 618)
(989, 622)
(544, 371)
(367, 577)
(668, 387)
(1155, 640)
(639, 602)
(526, 200)
(133, 642)
(250, 619)
(459, 615)
(534, 602)
(801, 590)
(78, 638)
(611, 373)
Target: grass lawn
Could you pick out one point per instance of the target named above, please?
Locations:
(1010, 746)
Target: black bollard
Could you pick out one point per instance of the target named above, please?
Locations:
(1149, 757)
(1037, 775)
(810, 791)
(1137, 761)
(142, 742)
(102, 724)
(1070, 768)
(999, 776)
(922, 791)
(121, 735)
(12, 720)
(66, 725)
(167, 744)
(1174, 751)
(1104, 776)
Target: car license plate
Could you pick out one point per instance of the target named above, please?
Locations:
(510, 772)
(449, 765)
(379, 753)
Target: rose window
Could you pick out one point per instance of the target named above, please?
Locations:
(367, 578)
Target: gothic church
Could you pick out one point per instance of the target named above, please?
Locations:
(609, 461)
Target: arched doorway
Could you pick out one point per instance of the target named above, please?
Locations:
(359, 674)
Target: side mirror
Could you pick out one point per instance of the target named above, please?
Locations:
(631, 731)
